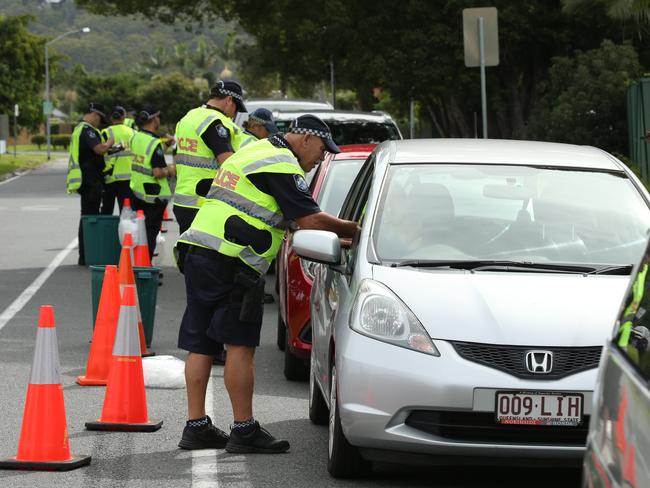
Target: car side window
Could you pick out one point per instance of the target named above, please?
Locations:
(633, 333)
(361, 182)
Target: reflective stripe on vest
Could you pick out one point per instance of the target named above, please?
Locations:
(143, 146)
(194, 160)
(247, 139)
(243, 204)
(234, 195)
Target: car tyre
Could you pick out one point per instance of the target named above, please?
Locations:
(295, 368)
(344, 460)
(318, 411)
(281, 339)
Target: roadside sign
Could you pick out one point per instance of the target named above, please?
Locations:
(47, 108)
(16, 110)
(471, 39)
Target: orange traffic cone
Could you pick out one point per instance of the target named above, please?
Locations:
(43, 443)
(166, 217)
(141, 252)
(125, 402)
(99, 358)
(127, 280)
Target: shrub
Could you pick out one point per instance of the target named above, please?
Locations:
(62, 140)
(38, 139)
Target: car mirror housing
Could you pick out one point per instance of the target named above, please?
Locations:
(320, 246)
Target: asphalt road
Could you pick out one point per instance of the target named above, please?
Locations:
(39, 222)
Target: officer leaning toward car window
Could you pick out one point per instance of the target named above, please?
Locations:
(260, 125)
(149, 173)
(232, 241)
(86, 164)
(118, 162)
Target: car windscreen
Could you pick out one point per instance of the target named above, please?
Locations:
(338, 181)
(452, 212)
(356, 131)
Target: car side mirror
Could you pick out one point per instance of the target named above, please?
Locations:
(320, 246)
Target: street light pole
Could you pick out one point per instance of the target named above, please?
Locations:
(47, 106)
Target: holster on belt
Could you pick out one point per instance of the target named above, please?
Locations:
(253, 297)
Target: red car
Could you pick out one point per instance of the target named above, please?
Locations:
(329, 186)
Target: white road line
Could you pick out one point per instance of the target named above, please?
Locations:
(204, 461)
(18, 304)
(14, 177)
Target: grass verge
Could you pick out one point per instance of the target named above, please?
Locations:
(9, 163)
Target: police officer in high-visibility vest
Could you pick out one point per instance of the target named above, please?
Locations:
(86, 164)
(149, 174)
(232, 241)
(205, 137)
(260, 125)
(118, 162)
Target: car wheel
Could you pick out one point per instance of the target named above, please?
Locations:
(295, 368)
(318, 411)
(343, 460)
(281, 339)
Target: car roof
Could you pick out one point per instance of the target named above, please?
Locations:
(498, 151)
(342, 115)
(355, 151)
(291, 104)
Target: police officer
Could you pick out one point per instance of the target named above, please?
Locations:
(149, 174)
(118, 162)
(260, 125)
(86, 164)
(232, 241)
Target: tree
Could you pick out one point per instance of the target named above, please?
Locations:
(584, 99)
(21, 70)
(173, 94)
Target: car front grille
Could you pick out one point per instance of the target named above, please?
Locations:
(512, 359)
(482, 427)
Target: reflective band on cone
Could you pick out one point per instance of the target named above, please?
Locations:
(127, 278)
(44, 443)
(125, 402)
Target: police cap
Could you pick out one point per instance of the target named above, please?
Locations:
(264, 117)
(310, 124)
(224, 88)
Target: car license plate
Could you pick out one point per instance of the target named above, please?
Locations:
(538, 408)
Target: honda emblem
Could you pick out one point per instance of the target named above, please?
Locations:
(539, 362)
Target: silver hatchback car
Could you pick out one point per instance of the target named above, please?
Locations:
(468, 316)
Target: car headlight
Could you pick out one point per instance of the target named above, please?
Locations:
(309, 268)
(378, 313)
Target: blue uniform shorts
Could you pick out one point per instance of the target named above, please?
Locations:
(214, 302)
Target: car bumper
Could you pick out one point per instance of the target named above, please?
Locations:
(381, 386)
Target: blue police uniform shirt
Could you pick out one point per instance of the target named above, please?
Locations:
(91, 163)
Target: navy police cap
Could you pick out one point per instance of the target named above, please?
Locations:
(264, 117)
(231, 88)
(310, 124)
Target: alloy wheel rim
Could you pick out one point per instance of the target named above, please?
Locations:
(332, 414)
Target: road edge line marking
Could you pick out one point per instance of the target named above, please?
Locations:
(27, 294)
(15, 177)
(204, 461)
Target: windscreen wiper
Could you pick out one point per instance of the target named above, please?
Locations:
(615, 269)
(500, 264)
